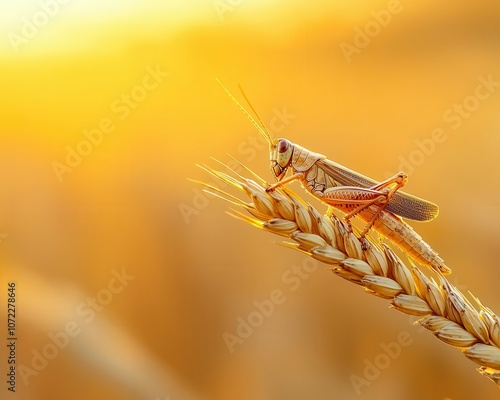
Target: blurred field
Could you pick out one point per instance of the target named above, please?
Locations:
(145, 72)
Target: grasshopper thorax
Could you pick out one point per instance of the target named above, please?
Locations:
(281, 157)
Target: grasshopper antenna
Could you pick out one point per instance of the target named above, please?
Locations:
(261, 127)
(268, 136)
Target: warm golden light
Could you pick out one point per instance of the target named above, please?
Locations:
(128, 275)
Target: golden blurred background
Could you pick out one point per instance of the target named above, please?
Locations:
(128, 278)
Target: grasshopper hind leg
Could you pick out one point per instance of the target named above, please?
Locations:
(355, 199)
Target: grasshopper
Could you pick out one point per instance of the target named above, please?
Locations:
(381, 205)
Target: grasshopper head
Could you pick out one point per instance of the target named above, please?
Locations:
(281, 157)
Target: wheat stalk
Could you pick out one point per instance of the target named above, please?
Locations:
(442, 308)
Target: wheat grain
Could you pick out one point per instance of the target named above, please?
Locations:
(443, 309)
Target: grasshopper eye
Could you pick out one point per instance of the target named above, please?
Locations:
(283, 146)
(283, 154)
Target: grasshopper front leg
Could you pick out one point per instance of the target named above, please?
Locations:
(298, 175)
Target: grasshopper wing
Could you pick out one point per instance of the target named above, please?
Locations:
(403, 204)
